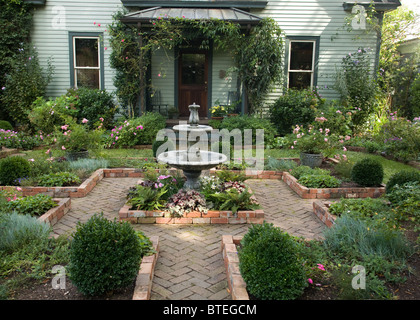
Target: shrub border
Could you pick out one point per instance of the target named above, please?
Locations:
(144, 279)
(236, 284)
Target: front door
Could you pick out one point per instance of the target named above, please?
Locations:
(192, 82)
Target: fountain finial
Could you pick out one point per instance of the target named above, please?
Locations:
(194, 118)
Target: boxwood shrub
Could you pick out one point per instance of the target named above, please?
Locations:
(270, 265)
(367, 172)
(401, 178)
(105, 255)
(12, 169)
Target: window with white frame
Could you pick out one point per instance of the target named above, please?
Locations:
(86, 62)
(301, 64)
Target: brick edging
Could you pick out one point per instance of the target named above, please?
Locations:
(321, 211)
(143, 286)
(236, 283)
(53, 215)
(331, 193)
(194, 217)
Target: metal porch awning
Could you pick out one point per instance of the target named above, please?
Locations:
(228, 14)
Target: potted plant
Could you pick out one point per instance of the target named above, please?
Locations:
(76, 139)
(311, 143)
(173, 113)
(218, 112)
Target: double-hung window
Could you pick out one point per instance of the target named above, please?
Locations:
(302, 61)
(86, 61)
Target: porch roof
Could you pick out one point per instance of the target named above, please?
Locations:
(227, 14)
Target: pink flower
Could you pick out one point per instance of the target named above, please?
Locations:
(63, 147)
(310, 281)
(344, 149)
(48, 151)
(325, 139)
(116, 138)
(102, 119)
(18, 188)
(292, 147)
(31, 160)
(99, 24)
(320, 266)
(122, 40)
(85, 120)
(159, 74)
(94, 23)
(64, 127)
(347, 138)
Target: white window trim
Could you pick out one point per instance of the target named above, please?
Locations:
(312, 71)
(75, 67)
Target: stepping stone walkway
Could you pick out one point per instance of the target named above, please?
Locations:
(190, 265)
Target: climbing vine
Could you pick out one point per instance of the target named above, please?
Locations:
(257, 54)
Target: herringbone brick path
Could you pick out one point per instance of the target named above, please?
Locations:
(190, 265)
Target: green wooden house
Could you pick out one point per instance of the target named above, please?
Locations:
(316, 40)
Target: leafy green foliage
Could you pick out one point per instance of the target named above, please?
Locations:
(58, 179)
(228, 175)
(300, 171)
(295, 107)
(259, 60)
(319, 181)
(270, 265)
(357, 86)
(18, 230)
(105, 255)
(13, 168)
(233, 200)
(401, 177)
(249, 122)
(146, 198)
(25, 82)
(32, 205)
(367, 172)
(185, 201)
(94, 104)
(46, 115)
(280, 164)
(356, 238)
(5, 125)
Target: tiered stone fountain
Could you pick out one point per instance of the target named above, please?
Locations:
(192, 161)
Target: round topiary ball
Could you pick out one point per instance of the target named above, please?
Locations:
(367, 172)
(104, 255)
(402, 177)
(12, 169)
(269, 264)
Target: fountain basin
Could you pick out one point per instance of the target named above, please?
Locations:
(192, 163)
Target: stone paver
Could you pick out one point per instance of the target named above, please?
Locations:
(190, 264)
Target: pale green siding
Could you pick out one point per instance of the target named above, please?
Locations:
(322, 18)
(223, 79)
(325, 19)
(163, 75)
(50, 35)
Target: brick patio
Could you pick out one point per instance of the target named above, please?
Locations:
(190, 263)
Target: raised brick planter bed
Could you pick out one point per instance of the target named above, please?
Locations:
(64, 192)
(194, 217)
(236, 283)
(211, 217)
(322, 212)
(53, 215)
(144, 278)
(331, 193)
